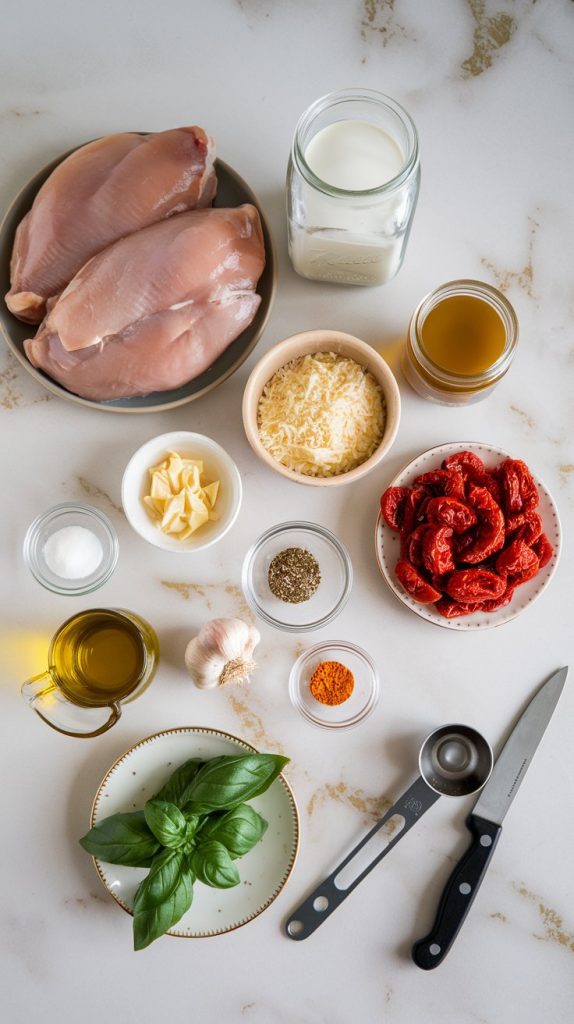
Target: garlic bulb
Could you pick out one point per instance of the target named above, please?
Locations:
(221, 653)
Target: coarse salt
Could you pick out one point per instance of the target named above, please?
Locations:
(73, 552)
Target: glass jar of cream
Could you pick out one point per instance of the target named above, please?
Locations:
(460, 342)
(352, 187)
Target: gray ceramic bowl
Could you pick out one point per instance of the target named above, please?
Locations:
(231, 191)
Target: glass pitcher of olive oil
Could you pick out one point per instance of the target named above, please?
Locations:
(98, 660)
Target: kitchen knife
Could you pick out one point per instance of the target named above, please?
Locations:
(485, 823)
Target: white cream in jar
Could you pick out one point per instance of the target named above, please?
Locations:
(354, 155)
(352, 188)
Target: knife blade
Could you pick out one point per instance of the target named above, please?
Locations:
(485, 823)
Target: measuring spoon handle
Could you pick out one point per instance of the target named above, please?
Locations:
(327, 896)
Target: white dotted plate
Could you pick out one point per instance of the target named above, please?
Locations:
(387, 542)
(141, 771)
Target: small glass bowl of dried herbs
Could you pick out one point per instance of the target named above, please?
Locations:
(297, 576)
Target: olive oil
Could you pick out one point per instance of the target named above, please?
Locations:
(98, 657)
(463, 335)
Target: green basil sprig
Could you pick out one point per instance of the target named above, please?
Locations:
(162, 898)
(211, 864)
(122, 839)
(225, 782)
(175, 789)
(239, 829)
(195, 827)
(167, 823)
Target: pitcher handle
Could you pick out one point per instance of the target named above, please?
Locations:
(43, 695)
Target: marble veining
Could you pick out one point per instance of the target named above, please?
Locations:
(370, 807)
(491, 32)
(379, 19)
(524, 278)
(525, 417)
(253, 726)
(94, 492)
(551, 920)
(17, 389)
(211, 593)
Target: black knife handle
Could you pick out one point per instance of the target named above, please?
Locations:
(458, 894)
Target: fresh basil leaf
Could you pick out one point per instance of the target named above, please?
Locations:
(152, 919)
(239, 829)
(212, 864)
(160, 881)
(174, 790)
(227, 781)
(166, 822)
(122, 839)
(192, 823)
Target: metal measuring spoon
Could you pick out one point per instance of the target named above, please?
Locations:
(454, 760)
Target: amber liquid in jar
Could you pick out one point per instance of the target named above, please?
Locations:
(463, 335)
(460, 342)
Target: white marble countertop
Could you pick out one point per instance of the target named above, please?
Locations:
(489, 85)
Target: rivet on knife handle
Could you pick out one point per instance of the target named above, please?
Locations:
(458, 894)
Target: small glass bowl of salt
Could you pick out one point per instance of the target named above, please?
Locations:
(71, 549)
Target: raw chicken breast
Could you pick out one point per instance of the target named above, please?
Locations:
(155, 309)
(100, 193)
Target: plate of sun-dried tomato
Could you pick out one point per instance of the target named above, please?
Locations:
(467, 536)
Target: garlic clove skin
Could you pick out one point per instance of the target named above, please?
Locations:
(222, 652)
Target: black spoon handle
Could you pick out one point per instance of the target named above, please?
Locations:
(328, 895)
(458, 894)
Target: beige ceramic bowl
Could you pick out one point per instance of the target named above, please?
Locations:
(306, 344)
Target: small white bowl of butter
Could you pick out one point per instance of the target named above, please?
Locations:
(213, 465)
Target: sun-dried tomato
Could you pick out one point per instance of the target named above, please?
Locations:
(528, 572)
(514, 522)
(473, 586)
(451, 512)
(413, 512)
(469, 535)
(543, 549)
(411, 546)
(434, 480)
(439, 582)
(450, 609)
(462, 542)
(517, 485)
(490, 534)
(531, 529)
(465, 462)
(491, 483)
(437, 550)
(499, 602)
(442, 482)
(414, 583)
(393, 503)
(517, 560)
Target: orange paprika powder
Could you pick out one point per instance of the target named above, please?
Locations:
(331, 683)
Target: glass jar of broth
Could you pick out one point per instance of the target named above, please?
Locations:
(352, 187)
(460, 342)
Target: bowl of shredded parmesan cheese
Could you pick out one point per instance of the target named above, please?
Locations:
(321, 408)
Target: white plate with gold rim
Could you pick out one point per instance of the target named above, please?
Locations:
(141, 771)
(387, 542)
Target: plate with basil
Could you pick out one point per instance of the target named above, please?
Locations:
(193, 832)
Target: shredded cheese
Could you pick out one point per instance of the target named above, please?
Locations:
(321, 415)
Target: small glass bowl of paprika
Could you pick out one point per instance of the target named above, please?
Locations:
(334, 685)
